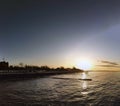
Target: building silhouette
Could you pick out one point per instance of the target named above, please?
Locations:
(4, 65)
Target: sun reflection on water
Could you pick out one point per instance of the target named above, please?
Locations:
(84, 75)
(84, 84)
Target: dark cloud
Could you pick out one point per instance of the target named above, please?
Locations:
(104, 63)
(109, 63)
(108, 66)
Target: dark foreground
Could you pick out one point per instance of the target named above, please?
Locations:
(62, 90)
(7, 75)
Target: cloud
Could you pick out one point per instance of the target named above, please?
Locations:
(109, 62)
(104, 63)
(108, 66)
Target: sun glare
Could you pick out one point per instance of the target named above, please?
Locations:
(84, 64)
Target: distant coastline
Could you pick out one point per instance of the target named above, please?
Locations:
(32, 71)
(37, 73)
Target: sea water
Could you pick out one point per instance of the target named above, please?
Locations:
(62, 90)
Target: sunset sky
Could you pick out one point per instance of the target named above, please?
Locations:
(61, 32)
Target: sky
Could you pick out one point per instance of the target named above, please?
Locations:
(60, 32)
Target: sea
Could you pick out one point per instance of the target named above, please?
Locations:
(62, 90)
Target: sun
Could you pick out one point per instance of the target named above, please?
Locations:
(84, 64)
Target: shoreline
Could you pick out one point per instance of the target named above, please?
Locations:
(34, 74)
